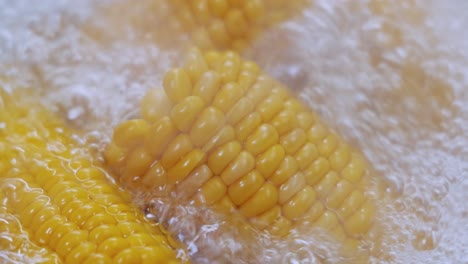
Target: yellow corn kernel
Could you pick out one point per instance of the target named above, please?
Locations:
(242, 165)
(155, 104)
(64, 201)
(165, 131)
(252, 149)
(245, 187)
(177, 85)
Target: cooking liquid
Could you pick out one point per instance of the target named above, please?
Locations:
(388, 76)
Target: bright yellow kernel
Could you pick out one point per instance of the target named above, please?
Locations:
(240, 166)
(98, 258)
(223, 136)
(138, 162)
(306, 155)
(284, 122)
(270, 160)
(328, 145)
(186, 112)
(245, 187)
(180, 146)
(180, 170)
(130, 133)
(212, 191)
(298, 205)
(222, 156)
(342, 190)
(316, 170)
(293, 140)
(263, 138)
(291, 187)
(99, 219)
(314, 212)
(159, 135)
(207, 86)
(227, 97)
(156, 176)
(305, 120)
(80, 252)
(265, 198)
(177, 85)
(269, 107)
(247, 125)
(195, 65)
(355, 169)
(190, 185)
(267, 218)
(260, 90)
(230, 67)
(351, 204)
(209, 122)
(155, 104)
(69, 241)
(360, 222)
(280, 227)
(286, 169)
(340, 157)
(317, 132)
(112, 246)
(327, 220)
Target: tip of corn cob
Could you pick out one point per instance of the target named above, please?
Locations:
(224, 134)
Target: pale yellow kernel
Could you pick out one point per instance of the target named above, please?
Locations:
(351, 204)
(190, 185)
(219, 33)
(286, 169)
(180, 146)
(317, 133)
(267, 218)
(181, 170)
(207, 86)
(201, 38)
(248, 74)
(69, 241)
(270, 107)
(195, 64)
(299, 204)
(184, 114)
(284, 121)
(280, 227)
(230, 67)
(239, 167)
(201, 10)
(263, 138)
(155, 104)
(295, 106)
(293, 140)
(80, 253)
(342, 190)
(223, 136)
(316, 170)
(265, 198)
(260, 90)
(361, 221)
(291, 187)
(139, 162)
(177, 85)
(112, 246)
(222, 156)
(328, 145)
(327, 220)
(305, 120)
(355, 169)
(206, 126)
(228, 96)
(212, 191)
(281, 91)
(328, 182)
(236, 22)
(247, 126)
(245, 187)
(270, 160)
(214, 60)
(130, 134)
(340, 157)
(218, 7)
(254, 9)
(225, 205)
(155, 177)
(306, 155)
(159, 135)
(239, 110)
(314, 212)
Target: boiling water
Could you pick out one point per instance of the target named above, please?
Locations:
(392, 81)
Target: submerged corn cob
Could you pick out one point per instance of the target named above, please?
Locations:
(224, 134)
(64, 201)
(229, 24)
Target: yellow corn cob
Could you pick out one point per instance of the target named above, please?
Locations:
(64, 200)
(229, 24)
(224, 134)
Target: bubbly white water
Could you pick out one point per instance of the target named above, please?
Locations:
(403, 101)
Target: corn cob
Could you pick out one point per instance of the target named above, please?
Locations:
(224, 134)
(229, 24)
(64, 200)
